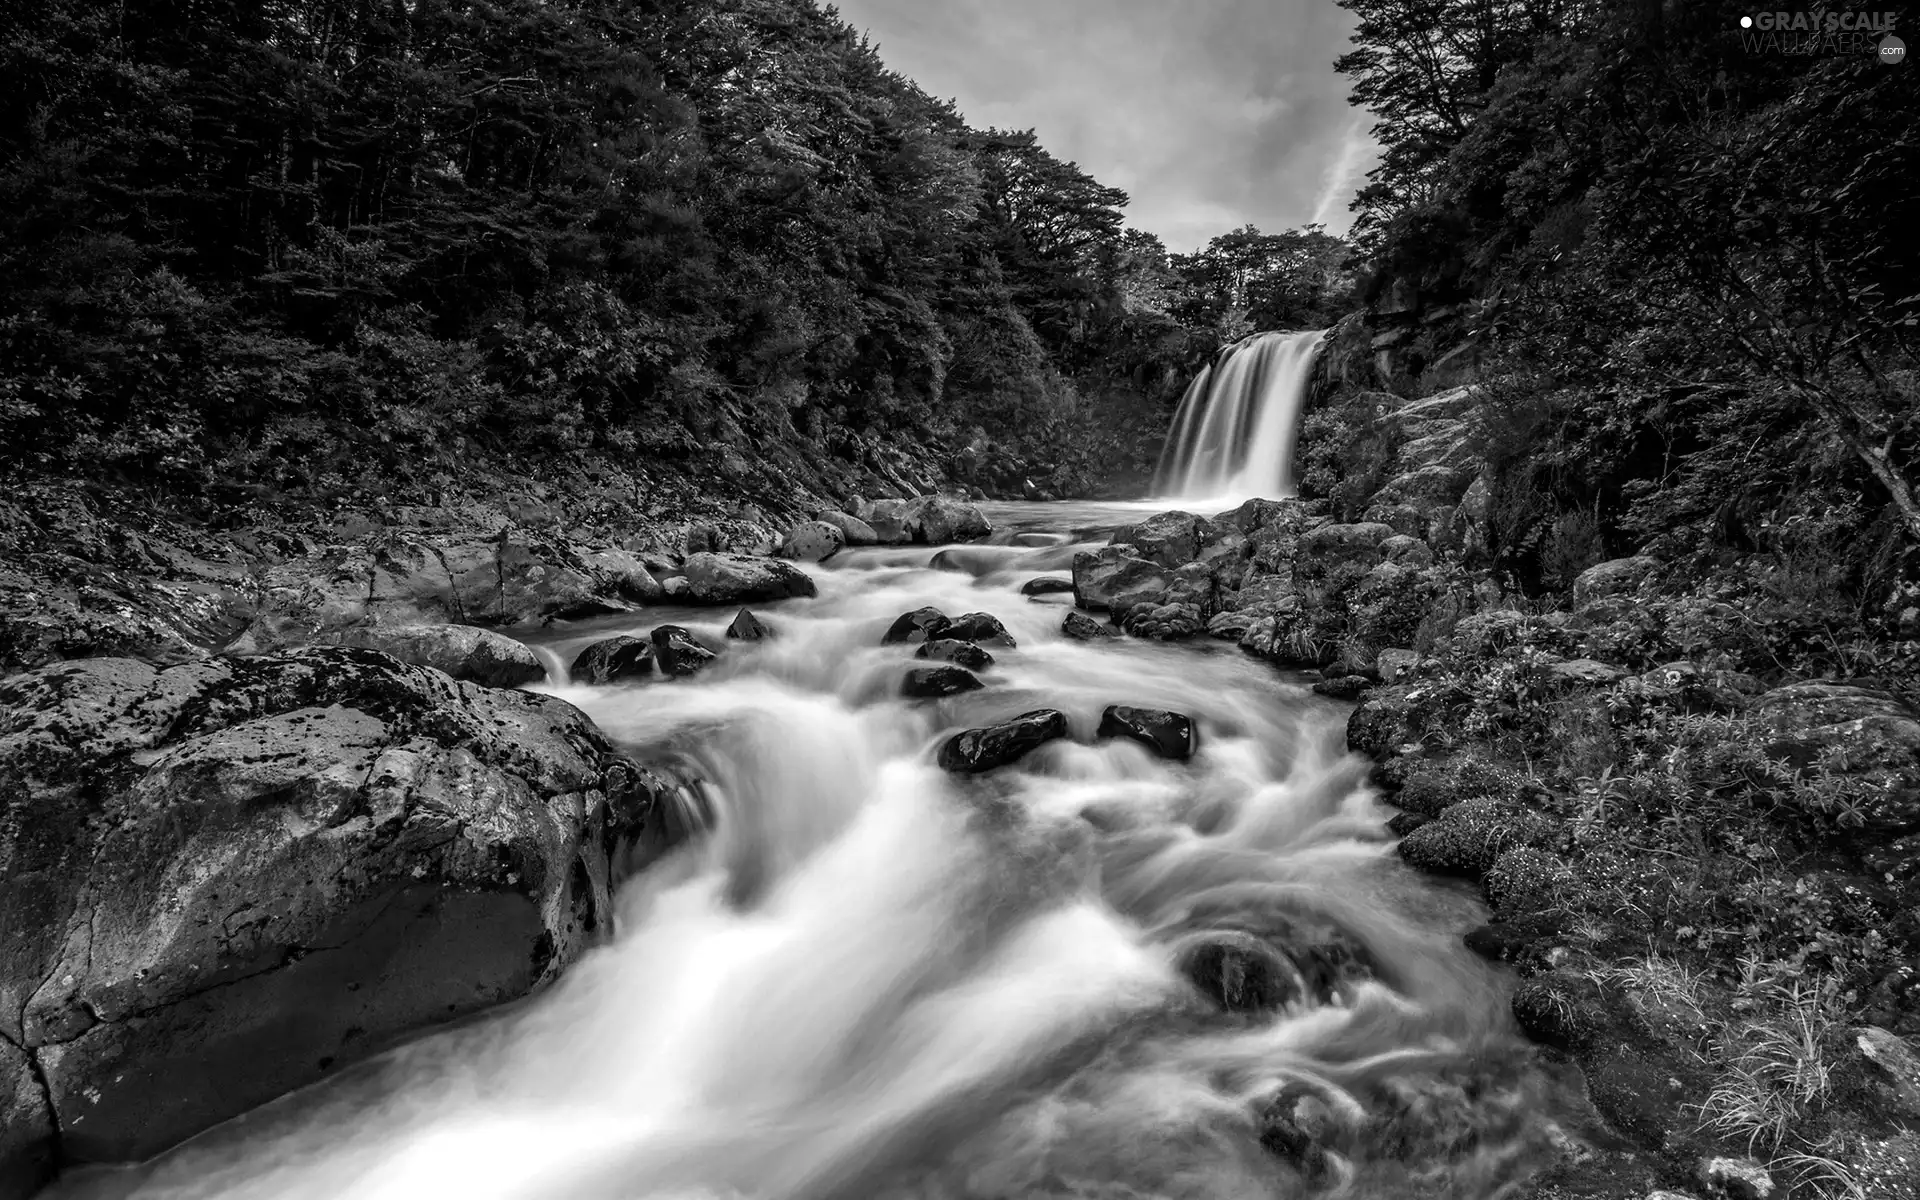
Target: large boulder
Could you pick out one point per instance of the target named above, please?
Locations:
(1615, 577)
(975, 750)
(1083, 628)
(1099, 576)
(931, 683)
(853, 530)
(1170, 539)
(813, 541)
(1332, 557)
(678, 652)
(462, 651)
(1168, 734)
(937, 520)
(889, 521)
(920, 625)
(610, 660)
(228, 878)
(1869, 737)
(743, 579)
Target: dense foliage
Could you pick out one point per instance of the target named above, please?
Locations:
(302, 240)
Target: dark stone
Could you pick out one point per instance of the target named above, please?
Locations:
(1468, 838)
(678, 652)
(1083, 628)
(920, 625)
(1284, 1134)
(929, 683)
(1168, 734)
(1343, 687)
(1046, 585)
(613, 659)
(1240, 972)
(747, 627)
(974, 750)
(964, 654)
(1559, 1010)
(1523, 939)
(979, 627)
(1401, 824)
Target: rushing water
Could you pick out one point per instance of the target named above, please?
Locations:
(1233, 434)
(871, 980)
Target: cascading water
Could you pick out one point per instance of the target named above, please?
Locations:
(1234, 431)
(871, 980)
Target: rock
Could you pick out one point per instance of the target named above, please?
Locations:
(889, 522)
(1239, 972)
(853, 531)
(613, 659)
(226, 878)
(1895, 1060)
(1082, 628)
(1386, 719)
(1169, 539)
(937, 520)
(930, 683)
(1255, 515)
(1164, 622)
(1405, 551)
(462, 651)
(1403, 823)
(1559, 1010)
(746, 627)
(920, 625)
(1469, 837)
(1527, 880)
(1290, 1130)
(1046, 585)
(1331, 558)
(979, 627)
(1586, 672)
(1432, 787)
(742, 579)
(963, 654)
(678, 652)
(1100, 575)
(625, 574)
(1525, 941)
(813, 541)
(1168, 734)
(1735, 1178)
(1343, 687)
(1873, 734)
(975, 750)
(1614, 577)
(1392, 664)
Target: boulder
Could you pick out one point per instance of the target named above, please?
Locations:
(613, 659)
(1343, 687)
(228, 878)
(1392, 664)
(1405, 551)
(959, 653)
(462, 651)
(1615, 577)
(937, 520)
(1332, 557)
(1168, 734)
(931, 683)
(1046, 585)
(1099, 576)
(1239, 972)
(1470, 837)
(1866, 734)
(714, 578)
(853, 531)
(979, 627)
(1170, 539)
(678, 652)
(813, 541)
(624, 574)
(746, 627)
(975, 750)
(920, 625)
(889, 521)
(1585, 672)
(1164, 622)
(1082, 628)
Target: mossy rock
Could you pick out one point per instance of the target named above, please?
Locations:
(1468, 838)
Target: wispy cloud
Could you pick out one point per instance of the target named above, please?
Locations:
(1211, 114)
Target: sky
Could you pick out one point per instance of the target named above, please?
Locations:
(1209, 113)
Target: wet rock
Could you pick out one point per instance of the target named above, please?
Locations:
(1735, 1179)
(741, 579)
(1559, 1010)
(975, 750)
(1392, 664)
(1046, 585)
(813, 541)
(1290, 1130)
(746, 627)
(1469, 837)
(1164, 622)
(1239, 972)
(853, 531)
(1401, 824)
(920, 625)
(979, 627)
(1387, 718)
(612, 659)
(1168, 734)
(678, 652)
(937, 520)
(1343, 687)
(1101, 575)
(462, 651)
(1170, 539)
(1082, 628)
(963, 654)
(225, 876)
(1527, 939)
(930, 683)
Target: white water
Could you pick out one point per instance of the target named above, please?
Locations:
(1234, 432)
(875, 981)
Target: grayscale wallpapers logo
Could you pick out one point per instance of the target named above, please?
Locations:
(1824, 31)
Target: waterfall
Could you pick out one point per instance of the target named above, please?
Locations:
(1234, 432)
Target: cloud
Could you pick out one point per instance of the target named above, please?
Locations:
(1210, 114)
